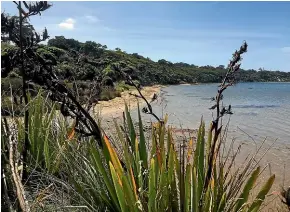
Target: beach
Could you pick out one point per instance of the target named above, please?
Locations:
(114, 107)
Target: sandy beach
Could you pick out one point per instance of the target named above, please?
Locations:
(114, 107)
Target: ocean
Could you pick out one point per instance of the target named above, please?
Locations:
(260, 110)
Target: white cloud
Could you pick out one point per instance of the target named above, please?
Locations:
(67, 24)
(92, 19)
(286, 49)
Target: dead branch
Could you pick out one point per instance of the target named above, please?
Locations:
(16, 178)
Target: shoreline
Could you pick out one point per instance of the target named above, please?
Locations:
(115, 107)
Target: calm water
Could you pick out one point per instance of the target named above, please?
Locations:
(260, 109)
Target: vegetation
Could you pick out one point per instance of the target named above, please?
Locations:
(91, 61)
(62, 159)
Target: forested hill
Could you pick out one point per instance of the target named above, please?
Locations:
(90, 60)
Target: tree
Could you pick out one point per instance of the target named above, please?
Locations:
(136, 55)
(18, 31)
(164, 62)
(221, 67)
(7, 30)
(63, 43)
(92, 48)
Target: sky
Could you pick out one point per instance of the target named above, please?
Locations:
(200, 33)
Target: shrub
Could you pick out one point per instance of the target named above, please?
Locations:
(15, 83)
(107, 81)
(108, 93)
(47, 55)
(65, 70)
(7, 48)
(54, 50)
(122, 86)
(108, 72)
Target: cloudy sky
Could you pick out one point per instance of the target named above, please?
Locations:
(200, 33)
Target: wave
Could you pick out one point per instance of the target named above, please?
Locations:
(249, 114)
(255, 106)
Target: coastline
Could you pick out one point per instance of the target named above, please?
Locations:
(115, 107)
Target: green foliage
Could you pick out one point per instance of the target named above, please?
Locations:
(7, 53)
(97, 62)
(63, 43)
(7, 48)
(138, 178)
(122, 86)
(92, 48)
(47, 55)
(88, 72)
(109, 72)
(110, 63)
(11, 83)
(54, 50)
(65, 70)
(108, 93)
(160, 179)
(45, 139)
(107, 81)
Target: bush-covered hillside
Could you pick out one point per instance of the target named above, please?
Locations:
(96, 73)
(93, 61)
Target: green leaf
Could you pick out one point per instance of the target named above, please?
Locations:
(101, 169)
(261, 195)
(130, 127)
(199, 157)
(118, 187)
(207, 200)
(187, 188)
(127, 155)
(173, 196)
(152, 186)
(142, 143)
(222, 203)
(162, 196)
(129, 194)
(194, 193)
(247, 188)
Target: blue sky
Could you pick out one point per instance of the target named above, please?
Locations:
(200, 33)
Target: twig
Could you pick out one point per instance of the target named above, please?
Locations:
(24, 86)
(131, 82)
(16, 179)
